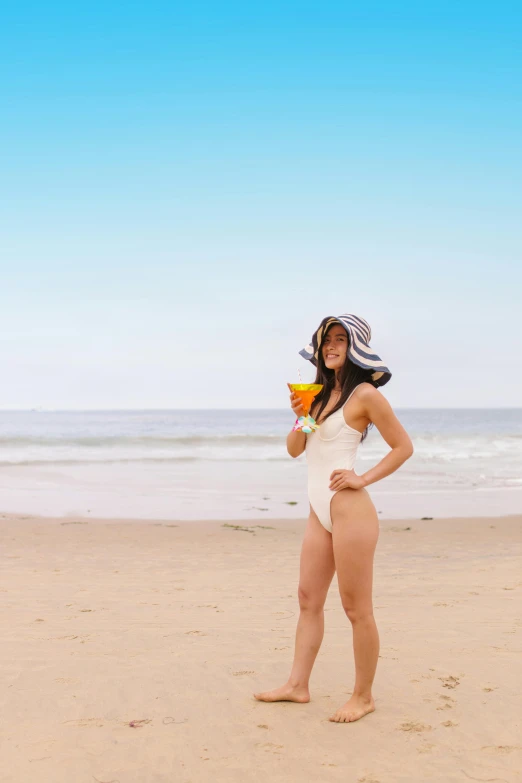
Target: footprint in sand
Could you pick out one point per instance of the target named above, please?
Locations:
(414, 726)
(368, 779)
(195, 633)
(488, 690)
(422, 677)
(501, 749)
(448, 702)
(239, 674)
(449, 682)
(449, 724)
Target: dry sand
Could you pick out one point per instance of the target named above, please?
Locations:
(131, 651)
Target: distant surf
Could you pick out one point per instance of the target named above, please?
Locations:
(190, 464)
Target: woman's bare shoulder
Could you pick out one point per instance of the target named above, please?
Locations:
(366, 392)
(372, 401)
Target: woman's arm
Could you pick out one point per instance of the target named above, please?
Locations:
(379, 411)
(296, 441)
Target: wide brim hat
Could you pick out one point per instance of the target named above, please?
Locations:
(359, 350)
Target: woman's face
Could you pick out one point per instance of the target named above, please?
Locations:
(335, 347)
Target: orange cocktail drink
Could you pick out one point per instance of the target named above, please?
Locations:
(306, 393)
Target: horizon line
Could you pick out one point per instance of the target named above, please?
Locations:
(258, 410)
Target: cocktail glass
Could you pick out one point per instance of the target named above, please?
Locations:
(306, 393)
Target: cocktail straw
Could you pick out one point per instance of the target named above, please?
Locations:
(299, 374)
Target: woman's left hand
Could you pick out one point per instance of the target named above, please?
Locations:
(345, 479)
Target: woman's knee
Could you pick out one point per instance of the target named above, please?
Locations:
(356, 611)
(310, 601)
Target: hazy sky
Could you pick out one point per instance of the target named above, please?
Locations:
(187, 189)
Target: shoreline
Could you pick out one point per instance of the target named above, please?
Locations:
(230, 491)
(247, 522)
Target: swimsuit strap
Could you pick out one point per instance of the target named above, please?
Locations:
(352, 391)
(342, 407)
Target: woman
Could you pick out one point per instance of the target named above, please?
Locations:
(343, 528)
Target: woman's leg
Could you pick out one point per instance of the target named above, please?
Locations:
(355, 534)
(316, 574)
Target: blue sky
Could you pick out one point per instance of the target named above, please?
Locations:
(188, 189)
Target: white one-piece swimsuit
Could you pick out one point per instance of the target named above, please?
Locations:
(332, 447)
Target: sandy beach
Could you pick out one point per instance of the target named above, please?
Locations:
(131, 651)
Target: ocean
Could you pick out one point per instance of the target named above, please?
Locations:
(233, 465)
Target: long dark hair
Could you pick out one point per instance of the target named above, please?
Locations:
(350, 376)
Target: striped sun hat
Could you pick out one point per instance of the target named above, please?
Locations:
(359, 350)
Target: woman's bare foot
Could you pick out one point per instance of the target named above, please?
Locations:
(356, 707)
(287, 692)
